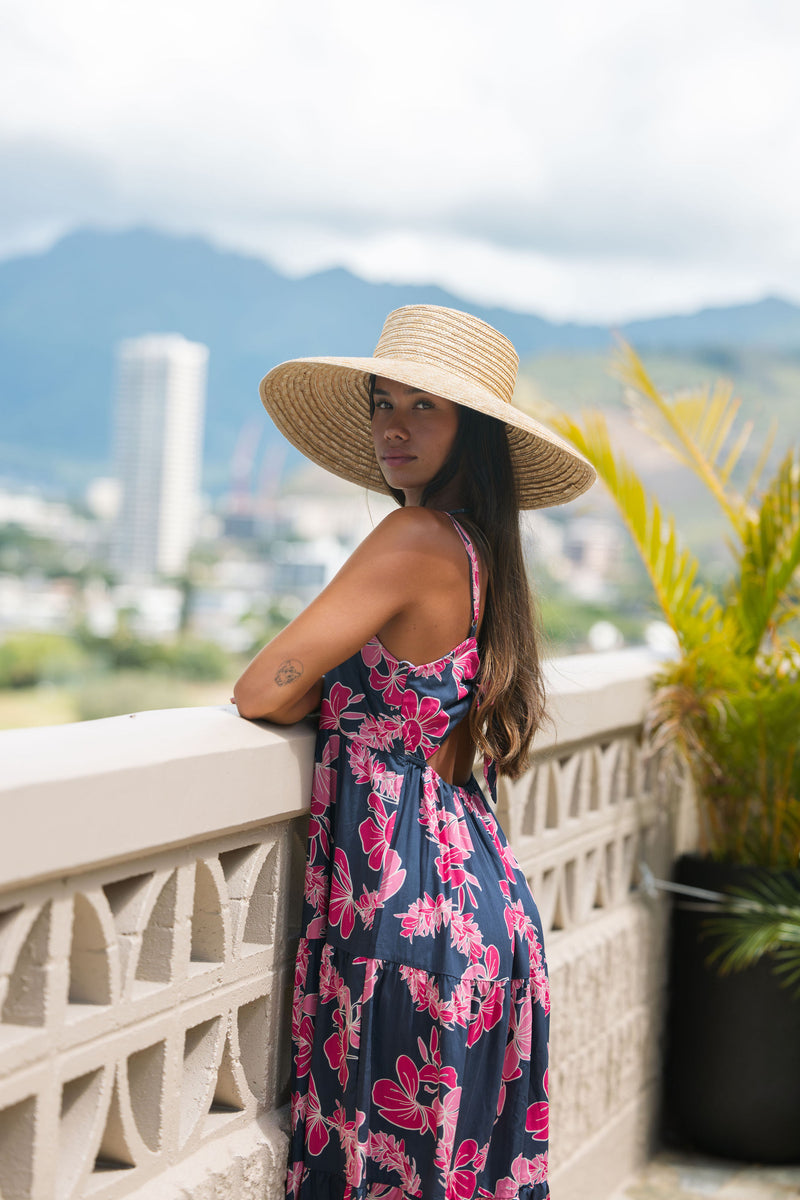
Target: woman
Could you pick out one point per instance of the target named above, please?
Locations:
(421, 1002)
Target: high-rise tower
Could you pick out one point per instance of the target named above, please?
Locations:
(159, 435)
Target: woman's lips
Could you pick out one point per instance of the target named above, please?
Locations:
(398, 460)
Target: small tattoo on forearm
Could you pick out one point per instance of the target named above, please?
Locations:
(288, 671)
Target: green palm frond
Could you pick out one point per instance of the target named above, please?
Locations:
(730, 702)
(761, 463)
(770, 557)
(699, 427)
(763, 919)
(689, 608)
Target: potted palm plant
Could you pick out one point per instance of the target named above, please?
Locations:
(728, 705)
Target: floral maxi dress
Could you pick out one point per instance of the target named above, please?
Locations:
(421, 1001)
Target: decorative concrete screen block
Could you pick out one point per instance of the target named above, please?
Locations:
(146, 945)
(579, 822)
(145, 1013)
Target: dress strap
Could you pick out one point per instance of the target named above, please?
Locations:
(474, 575)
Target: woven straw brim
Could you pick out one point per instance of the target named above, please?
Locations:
(321, 405)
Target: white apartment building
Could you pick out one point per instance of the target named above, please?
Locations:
(160, 405)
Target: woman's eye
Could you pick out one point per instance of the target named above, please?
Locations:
(424, 404)
(384, 404)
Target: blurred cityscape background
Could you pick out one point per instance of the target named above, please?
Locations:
(155, 528)
(191, 196)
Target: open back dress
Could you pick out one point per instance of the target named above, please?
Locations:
(421, 1000)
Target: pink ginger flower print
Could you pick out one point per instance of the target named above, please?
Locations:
(506, 1189)
(372, 653)
(454, 839)
(425, 994)
(427, 999)
(481, 1156)
(342, 905)
(389, 784)
(323, 791)
(331, 984)
(466, 936)
(433, 1075)
(446, 1112)
(301, 965)
(317, 927)
(304, 1044)
(490, 1011)
(429, 804)
(465, 665)
(376, 832)
(373, 967)
(450, 868)
(397, 1102)
(388, 1151)
(294, 1179)
(393, 876)
(424, 722)
(518, 1047)
(388, 677)
(365, 766)
(346, 1037)
(455, 831)
(299, 1106)
(366, 907)
(379, 733)
(333, 709)
(459, 1181)
(537, 1120)
(368, 768)
(431, 670)
(529, 1170)
(317, 1136)
(427, 916)
(515, 918)
(354, 1151)
(324, 783)
(539, 979)
(487, 968)
(315, 888)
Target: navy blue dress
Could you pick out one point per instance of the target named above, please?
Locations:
(421, 1001)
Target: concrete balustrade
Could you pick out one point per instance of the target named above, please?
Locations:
(150, 885)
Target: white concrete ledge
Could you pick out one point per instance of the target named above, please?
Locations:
(123, 786)
(72, 796)
(589, 694)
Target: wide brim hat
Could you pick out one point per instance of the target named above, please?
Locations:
(321, 405)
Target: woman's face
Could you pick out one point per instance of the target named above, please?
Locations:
(413, 433)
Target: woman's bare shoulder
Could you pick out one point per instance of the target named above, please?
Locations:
(415, 534)
(416, 527)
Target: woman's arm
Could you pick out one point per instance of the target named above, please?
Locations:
(309, 702)
(379, 581)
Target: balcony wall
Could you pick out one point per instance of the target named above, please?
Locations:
(150, 877)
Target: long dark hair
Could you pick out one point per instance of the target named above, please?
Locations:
(509, 704)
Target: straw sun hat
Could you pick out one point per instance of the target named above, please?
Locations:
(322, 404)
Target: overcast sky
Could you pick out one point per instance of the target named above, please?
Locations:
(595, 159)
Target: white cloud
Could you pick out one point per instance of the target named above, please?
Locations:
(583, 159)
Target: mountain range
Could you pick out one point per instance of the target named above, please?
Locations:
(63, 312)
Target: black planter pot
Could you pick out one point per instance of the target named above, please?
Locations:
(732, 1054)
